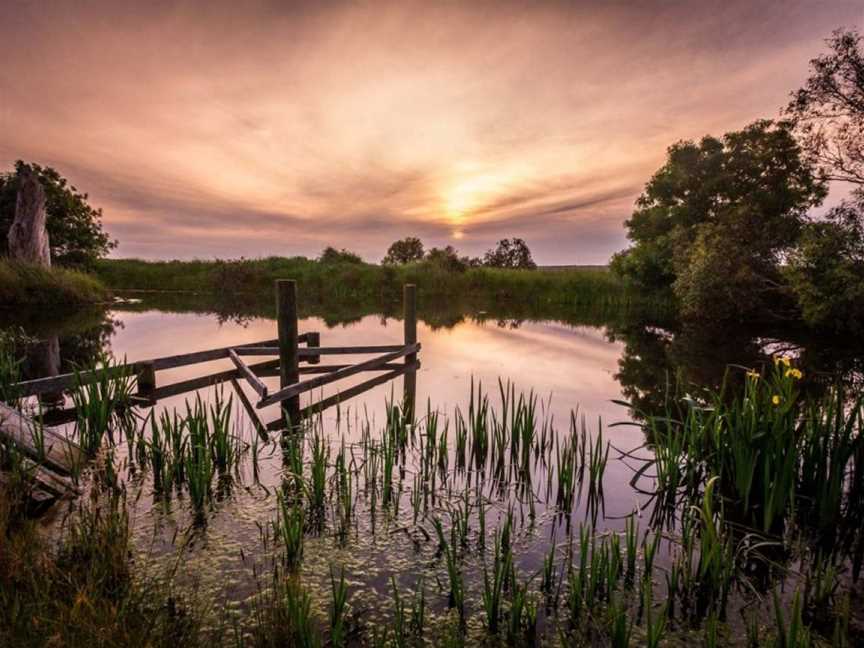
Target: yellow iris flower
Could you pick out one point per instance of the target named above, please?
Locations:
(775, 399)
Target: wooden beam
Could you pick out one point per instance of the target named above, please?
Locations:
(343, 396)
(185, 386)
(289, 360)
(319, 369)
(253, 415)
(409, 306)
(293, 391)
(312, 352)
(256, 383)
(58, 453)
(69, 380)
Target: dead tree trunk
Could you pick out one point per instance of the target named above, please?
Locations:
(28, 238)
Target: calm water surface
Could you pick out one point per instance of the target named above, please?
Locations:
(567, 366)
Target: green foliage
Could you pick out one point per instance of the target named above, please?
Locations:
(74, 227)
(331, 255)
(407, 250)
(27, 284)
(718, 216)
(510, 253)
(446, 259)
(826, 271)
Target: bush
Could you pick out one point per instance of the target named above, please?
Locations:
(27, 284)
(331, 255)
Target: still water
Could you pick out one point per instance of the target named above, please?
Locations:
(579, 364)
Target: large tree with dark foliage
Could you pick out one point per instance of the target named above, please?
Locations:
(407, 250)
(74, 227)
(510, 253)
(715, 221)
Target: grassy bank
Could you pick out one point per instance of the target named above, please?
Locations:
(23, 284)
(361, 282)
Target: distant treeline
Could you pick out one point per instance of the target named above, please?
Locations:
(329, 278)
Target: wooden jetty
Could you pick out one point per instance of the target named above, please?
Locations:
(292, 355)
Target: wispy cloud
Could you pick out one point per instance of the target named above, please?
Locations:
(213, 128)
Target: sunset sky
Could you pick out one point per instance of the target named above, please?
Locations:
(255, 128)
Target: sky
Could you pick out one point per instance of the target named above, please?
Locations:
(257, 128)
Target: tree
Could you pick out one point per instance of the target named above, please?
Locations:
(510, 253)
(716, 219)
(331, 255)
(74, 227)
(828, 112)
(826, 270)
(446, 259)
(407, 250)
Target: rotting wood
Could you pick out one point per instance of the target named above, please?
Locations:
(307, 385)
(58, 453)
(253, 380)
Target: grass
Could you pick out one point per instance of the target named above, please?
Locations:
(23, 284)
(363, 282)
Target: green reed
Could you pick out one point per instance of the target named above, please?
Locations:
(454, 572)
(289, 528)
(101, 400)
(338, 607)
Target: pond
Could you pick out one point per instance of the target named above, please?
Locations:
(574, 372)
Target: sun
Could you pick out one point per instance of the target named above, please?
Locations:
(471, 189)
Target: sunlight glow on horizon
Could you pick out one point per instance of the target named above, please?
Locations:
(282, 128)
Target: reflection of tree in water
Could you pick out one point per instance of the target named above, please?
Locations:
(658, 363)
(64, 339)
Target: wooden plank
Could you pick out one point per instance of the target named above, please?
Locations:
(312, 352)
(297, 389)
(248, 374)
(253, 415)
(202, 382)
(343, 396)
(68, 380)
(60, 454)
(313, 341)
(321, 369)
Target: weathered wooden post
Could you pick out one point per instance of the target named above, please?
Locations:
(313, 339)
(289, 370)
(409, 298)
(146, 380)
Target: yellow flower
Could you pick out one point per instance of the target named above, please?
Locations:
(753, 374)
(775, 399)
(794, 373)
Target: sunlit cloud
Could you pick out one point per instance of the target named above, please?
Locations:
(214, 129)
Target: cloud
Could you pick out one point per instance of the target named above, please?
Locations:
(209, 129)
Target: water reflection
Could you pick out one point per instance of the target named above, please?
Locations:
(585, 357)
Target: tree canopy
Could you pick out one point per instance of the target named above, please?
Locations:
(510, 253)
(407, 250)
(716, 219)
(828, 112)
(330, 255)
(826, 270)
(74, 227)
